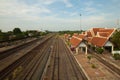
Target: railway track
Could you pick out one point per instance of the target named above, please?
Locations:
(107, 64)
(37, 65)
(22, 62)
(55, 72)
(63, 66)
(79, 74)
(51, 71)
(110, 66)
(12, 51)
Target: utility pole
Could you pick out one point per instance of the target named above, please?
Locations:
(80, 22)
(117, 23)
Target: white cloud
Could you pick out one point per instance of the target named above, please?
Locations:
(90, 10)
(73, 14)
(15, 8)
(89, 3)
(67, 3)
(15, 13)
(47, 2)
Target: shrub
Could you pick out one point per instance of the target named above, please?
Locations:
(99, 50)
(93, 66)
(116, 56)
(93, 48)
(68, 43)
(89, 58)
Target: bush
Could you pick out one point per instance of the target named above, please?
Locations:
(93, 48)
(89, 58)
(99, 50)
(93, 66)
(19, 36)
(116, 48)
(116, 56)
(68, 43)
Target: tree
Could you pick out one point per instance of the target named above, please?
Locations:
(70, 32)
(17, 31)
(4, 37)
(0, 31)
(116, 39)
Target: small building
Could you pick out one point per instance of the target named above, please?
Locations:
(77, 42)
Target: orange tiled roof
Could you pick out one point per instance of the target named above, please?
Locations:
(89, 34)
(75, 41)
(104, 34)
(95, 30)
(89, 39)
(66, 35)
(81, 36)
(109, 31)
(83, 32)
(75, 34)
(99, 41)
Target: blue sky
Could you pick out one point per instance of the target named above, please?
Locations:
(58, 15)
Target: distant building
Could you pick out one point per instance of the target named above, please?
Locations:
(67, 37)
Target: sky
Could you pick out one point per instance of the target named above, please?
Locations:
(57, 15)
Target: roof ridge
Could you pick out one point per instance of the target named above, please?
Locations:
(77, 38)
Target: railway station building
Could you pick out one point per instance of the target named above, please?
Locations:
(100, 37)
(95, 37)
(77, 42)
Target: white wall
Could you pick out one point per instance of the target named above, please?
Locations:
(116, 52)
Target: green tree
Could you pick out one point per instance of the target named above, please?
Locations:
(4, 37)
(70, 32)
(116, 39)
(20, 36)
(17, 31)
(10, 32)
(0, 31)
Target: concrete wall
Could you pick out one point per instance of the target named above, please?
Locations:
(115, 52)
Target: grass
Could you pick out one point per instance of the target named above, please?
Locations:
(16, 72)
